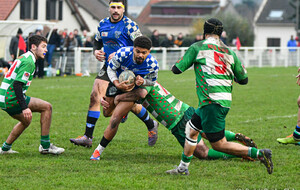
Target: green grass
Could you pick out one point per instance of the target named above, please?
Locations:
(265, 109)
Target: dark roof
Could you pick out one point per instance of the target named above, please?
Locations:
(195, 4)
(97, 8)
(147, 18)
(276, 5)
(6, 8)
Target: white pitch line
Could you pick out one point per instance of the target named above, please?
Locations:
(270, 117)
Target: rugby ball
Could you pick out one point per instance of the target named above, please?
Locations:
(127, 75)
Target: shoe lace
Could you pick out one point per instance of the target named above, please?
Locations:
(151, 133)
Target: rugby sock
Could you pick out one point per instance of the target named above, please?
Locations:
(254, 153)
(230, 136)
(6, 146)
(45, 141)
(213, 154)
(144, 116)
(296, 133)
(185, 162)
(103, 143)
(91, 120)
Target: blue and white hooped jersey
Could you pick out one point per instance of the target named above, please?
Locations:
(116, 35)
(123, 60)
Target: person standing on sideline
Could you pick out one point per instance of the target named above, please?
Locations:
(294, 138)
(292, 52)
(19, 106)
(215, 68)
(114, 32)
(17, 45)
(54, 41)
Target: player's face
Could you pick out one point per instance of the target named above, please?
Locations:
(41, 50)
(140, 54)
(116, 12)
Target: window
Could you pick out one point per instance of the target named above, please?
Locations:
(29, 9)
(273, 42)
(54, 9)
(275, 15)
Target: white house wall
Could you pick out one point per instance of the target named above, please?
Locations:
(262, 33)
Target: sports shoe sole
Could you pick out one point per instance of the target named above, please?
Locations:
(245, 140)
(267, 160)
(84, 145)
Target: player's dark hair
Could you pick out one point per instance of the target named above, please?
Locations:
(213, 26)
(36, 40)
(143, 42)
(121, 1)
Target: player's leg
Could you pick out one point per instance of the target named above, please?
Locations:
(191, 136)
(15, 133)
(121, 109)
(213, 123)
(151, 124)
(45, 108)
(295, 137)
(98, 92)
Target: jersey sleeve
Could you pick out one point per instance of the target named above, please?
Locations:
(24, 72)
(98, 34)
(133, 30)
(187, 60)
(239, 70)
(153, 71)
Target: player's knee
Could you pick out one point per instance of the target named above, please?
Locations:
(114, 122)
(48, 107)
(298, 101)
(191, 134)
(26, 122)
(201, 151)
(94, 98)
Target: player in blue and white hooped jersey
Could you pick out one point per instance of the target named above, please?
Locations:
(113, 33)
(139, 60)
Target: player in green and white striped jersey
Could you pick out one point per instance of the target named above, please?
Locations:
(174, 115)
(19, 106)
(215, 68)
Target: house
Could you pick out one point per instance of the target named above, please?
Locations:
(172, 17)
(66, 14)
(273, 24)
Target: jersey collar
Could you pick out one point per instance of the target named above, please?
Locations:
(32, 55)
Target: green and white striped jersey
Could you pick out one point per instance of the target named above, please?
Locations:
(164, 106)
(215, 68)
(21, 70)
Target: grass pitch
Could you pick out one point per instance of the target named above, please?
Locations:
(264, 110)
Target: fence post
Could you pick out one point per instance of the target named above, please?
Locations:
(164, 58)
(77, 60)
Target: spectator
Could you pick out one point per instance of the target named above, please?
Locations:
(298, 42)
(292, 52)
(224, 37)
(39, 64)
(71, 42)
(198, 37)
(62, 36)
(54, 41)
(88, 42)
(155, 38)
(17, 45)
(168, 42)
(178, 42)
(77, 36)
(84, 36)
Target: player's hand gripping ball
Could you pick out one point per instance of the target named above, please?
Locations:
(128, 76)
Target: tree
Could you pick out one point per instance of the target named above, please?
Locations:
(233, 25)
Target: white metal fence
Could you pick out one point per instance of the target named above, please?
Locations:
(81, 60)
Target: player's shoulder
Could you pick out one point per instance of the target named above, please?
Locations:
(124, 51)
(104, 21)
(127, 21)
